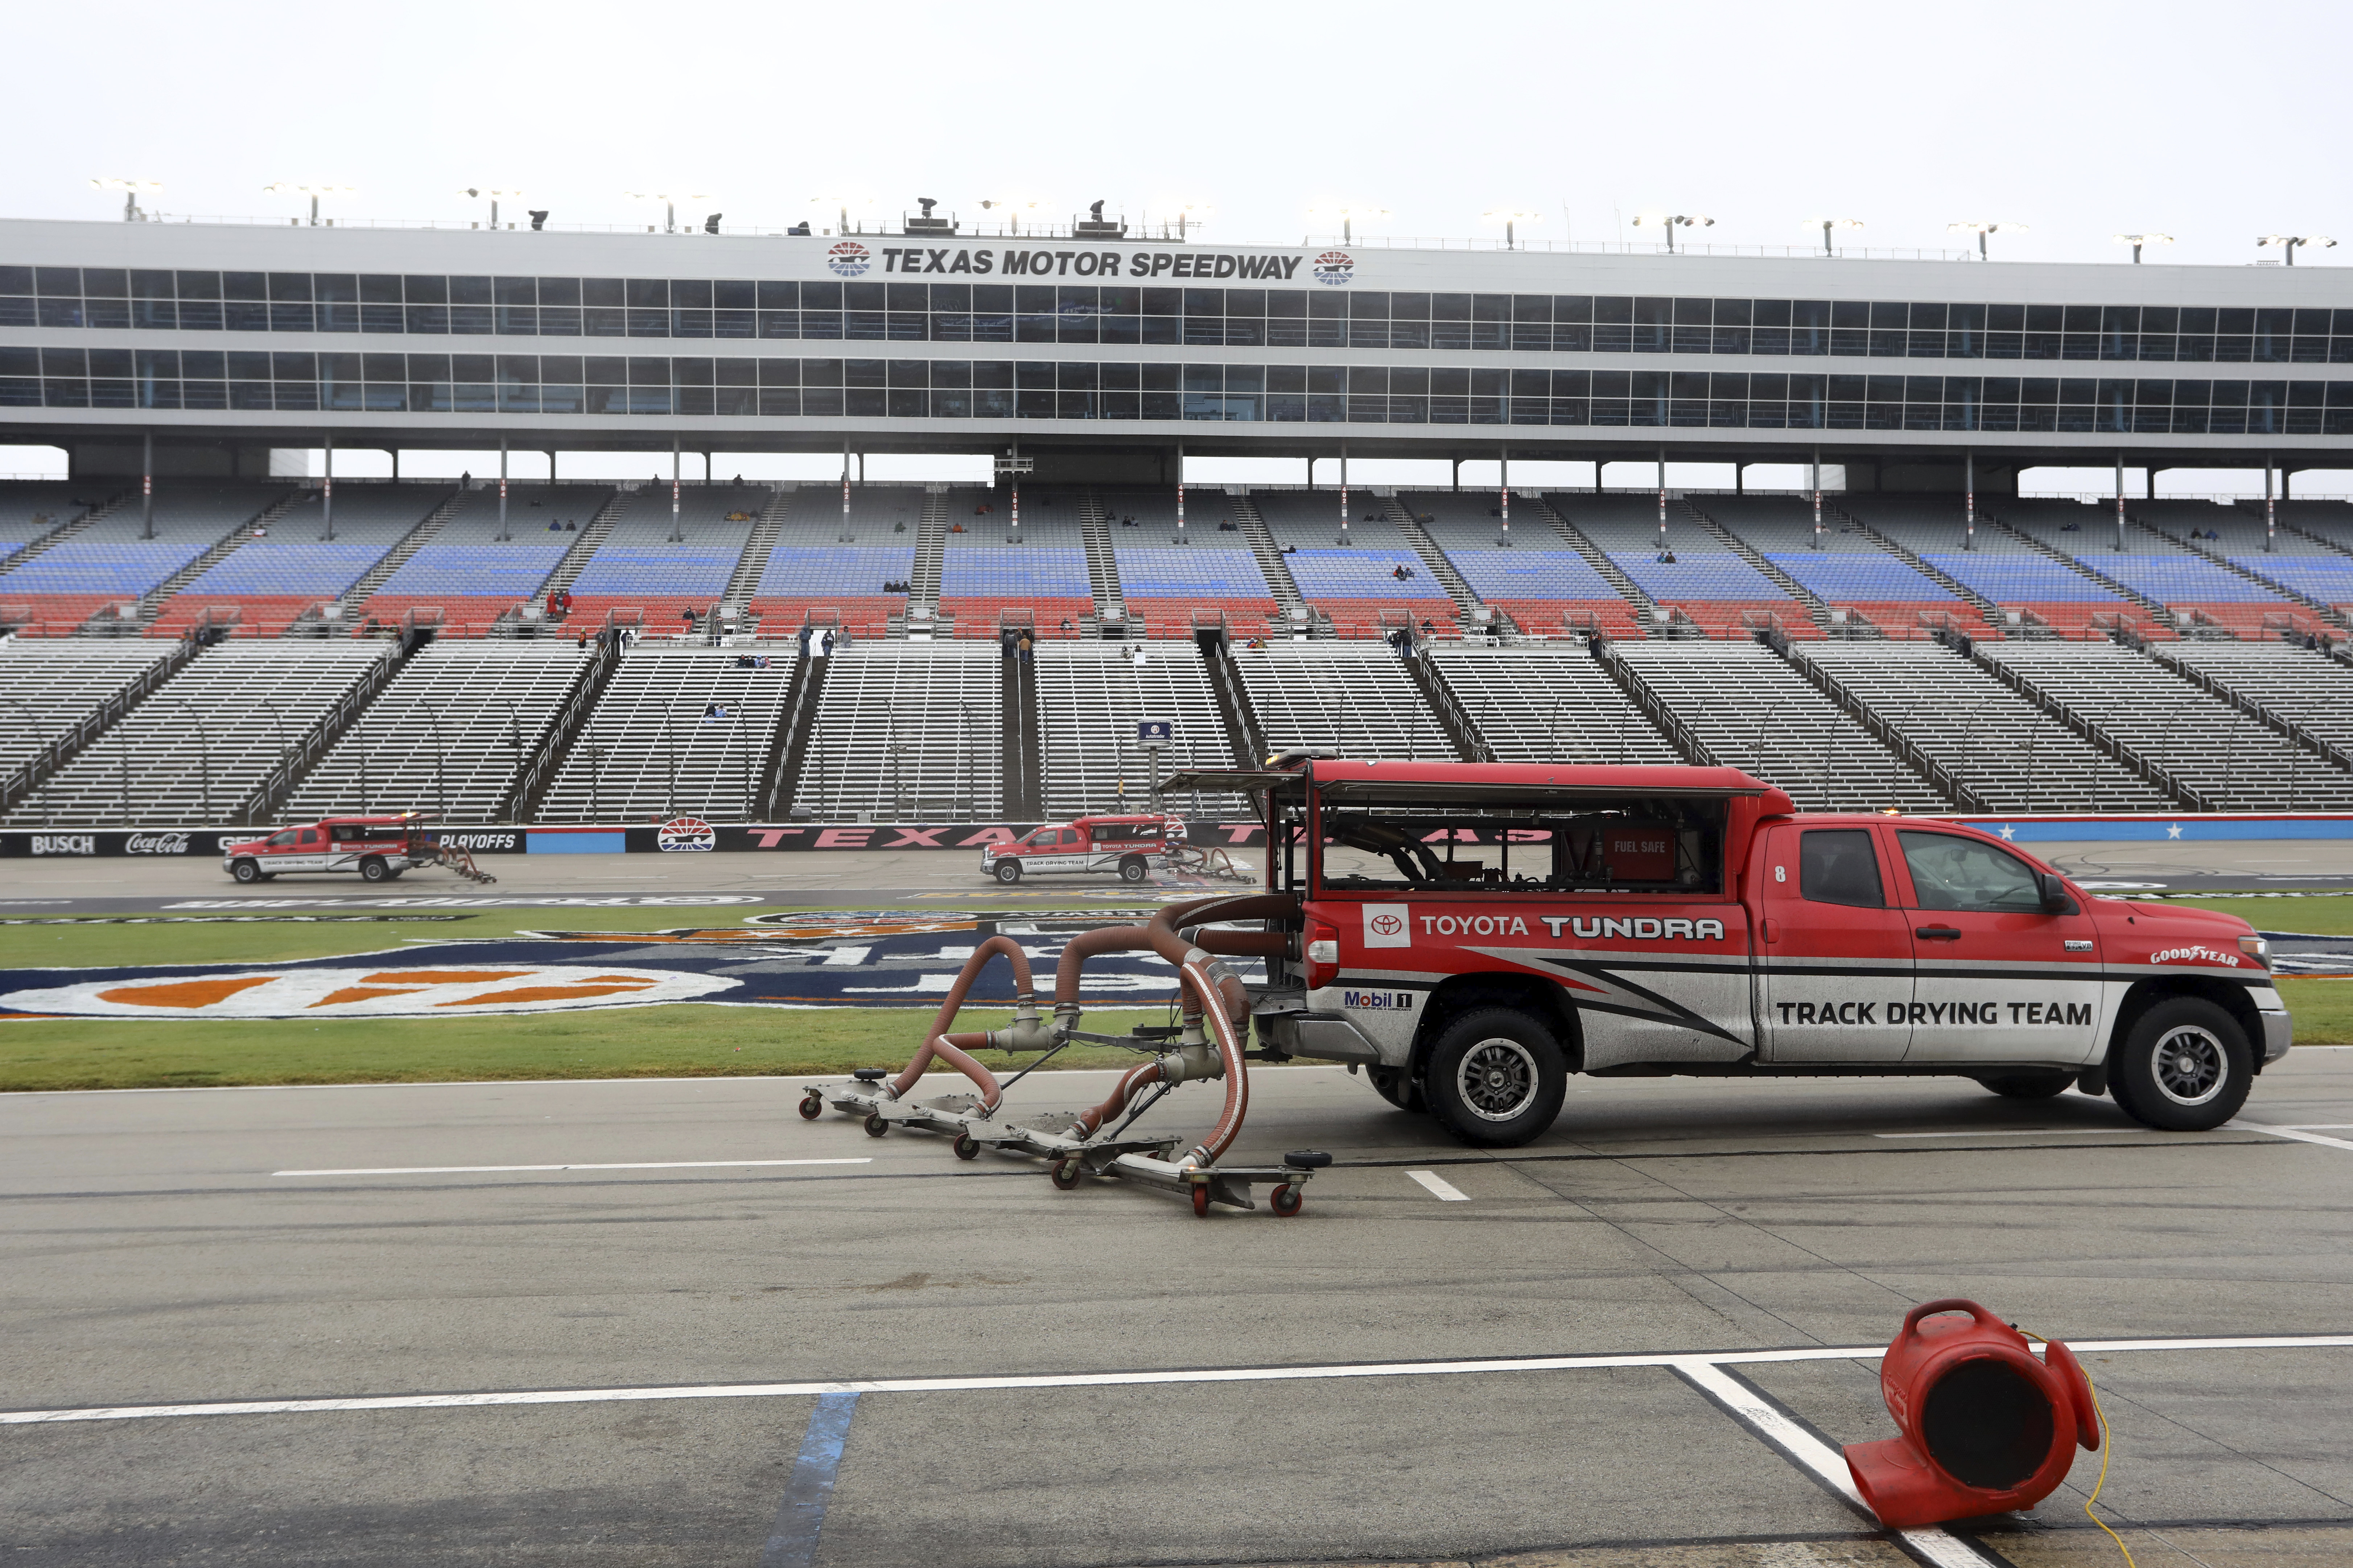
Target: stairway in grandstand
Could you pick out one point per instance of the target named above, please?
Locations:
(1271, 562)
(2021, 589)
(753, 561)
(1953, 586)
(2287, 567)
(414, 539)
(2040, 524)
(592, 538)
(37, 517)
(931, 554)
(1351, 698)
(1816, 610)
(1549, 508)
(1091, 696)
(1102, 561)
(151, 603)
(1855, 584)
(677, 731)
(1457, 587)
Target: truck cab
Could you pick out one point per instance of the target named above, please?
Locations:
(379, 848)
(1132, 846)
(1472, 933)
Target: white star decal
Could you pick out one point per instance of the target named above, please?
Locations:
(2008, 831)
(2174, 831)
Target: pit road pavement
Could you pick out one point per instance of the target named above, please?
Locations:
(155, 1253)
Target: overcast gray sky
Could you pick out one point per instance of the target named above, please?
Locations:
(2212, 123)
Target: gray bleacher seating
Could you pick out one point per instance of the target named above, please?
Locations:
(49, 686)
(111, 558)
(32, 508)
(2004, 749)
(447, 734)
(1090, 698)
(907, 732)
(197, 751)
(2229, 759)
(1549, 705)
(1752, 711)
(879, 514)
(1351, 698)
(2305, 687)
(677, 731)
(638, 559)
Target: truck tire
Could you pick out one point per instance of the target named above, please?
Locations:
(245, 871)
(1134, 870)
(1008, 871)
(373, 870)
(1398, 1087)
(2183, 1067)
(2030, 1084)
(1495, 1076)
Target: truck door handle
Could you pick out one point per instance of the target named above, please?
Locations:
(1936, 933)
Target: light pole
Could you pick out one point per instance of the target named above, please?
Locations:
(288, 188)
(1671, 222)
(1510, 217)
(2137, 240)
(479, 193)
(2290, 241)
(1191, 215)
(670, 200)
(132, 190)
(1981, 228)
(204, 762)
(440, 758)
(1827, 224)
(1348, 215)
(670, 753)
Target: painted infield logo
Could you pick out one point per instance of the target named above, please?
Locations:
(367, 991)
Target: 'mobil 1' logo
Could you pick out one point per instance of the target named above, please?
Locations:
(1335, 268)
(849, 259)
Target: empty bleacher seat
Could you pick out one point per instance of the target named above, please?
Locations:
(1089, 698)
(676, 730)
(54, 686)
(907, 732)
(1541, 705)
(1351, 698)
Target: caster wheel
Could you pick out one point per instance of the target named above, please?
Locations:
(1286, 1200)
(812, 1107)
(1066, 1173)
(967, 1147)
(876, 1126)
(1201, 1199)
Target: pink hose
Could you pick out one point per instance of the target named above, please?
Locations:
(953, 1048)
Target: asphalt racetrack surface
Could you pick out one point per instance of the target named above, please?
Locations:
(139, 884)
(628, 1323)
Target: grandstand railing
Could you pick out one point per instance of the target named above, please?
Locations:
(1946, 783)
(58, 750)
(2261, 713)
(2131, 759)
(260, 804)
(530, 787)
(1681, 735)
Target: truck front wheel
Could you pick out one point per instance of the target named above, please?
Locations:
(1495, 1076)
(2184, 1066)
(245, 871)
(1008, 871)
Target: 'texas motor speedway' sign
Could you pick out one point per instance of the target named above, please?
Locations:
(875, 959)
(849, 258)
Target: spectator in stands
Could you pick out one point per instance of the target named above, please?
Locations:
(553, 526)
(687, 614)
(898, 528)
(571, 526)
(1066, 626)
(1427, 627)
(958, 528)
(1227, 527)
(1009, 642)
(1026, 647)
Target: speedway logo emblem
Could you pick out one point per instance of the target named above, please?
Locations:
(849, 258)
(1335, 268)
(686, 833)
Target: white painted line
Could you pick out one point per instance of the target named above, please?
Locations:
(1444, 1191)
(632, 1165)
(1931, 1546)
(2310, 1126)
(1096, 1379)
(2298, 1134)
(2026, 1133)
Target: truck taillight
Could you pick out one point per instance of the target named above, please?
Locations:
(1323, 950)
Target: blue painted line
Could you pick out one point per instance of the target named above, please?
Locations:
(2158, 829)
(793, 1542)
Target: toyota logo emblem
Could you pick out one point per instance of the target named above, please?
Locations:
(1387, 925)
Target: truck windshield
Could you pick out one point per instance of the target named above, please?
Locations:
(1630, 845)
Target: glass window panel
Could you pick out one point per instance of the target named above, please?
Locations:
(646, 294)
(200, 285)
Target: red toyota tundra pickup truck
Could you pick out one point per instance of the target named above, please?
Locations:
(1473, 933)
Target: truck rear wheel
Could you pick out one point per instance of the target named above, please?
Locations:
(1495, 1076)
(1133, 869)
(373, 870)
(2030, 1084)
(2184, 1066)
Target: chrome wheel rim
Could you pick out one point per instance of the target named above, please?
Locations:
(1497, 1079)
(2190, 1066)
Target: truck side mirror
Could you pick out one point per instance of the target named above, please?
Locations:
(2055, 899)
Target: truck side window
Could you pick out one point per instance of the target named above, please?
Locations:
(1838, 866)
(282, 840)
(1949, 872)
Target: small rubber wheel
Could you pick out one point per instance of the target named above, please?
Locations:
(1008, 871)
(967, 1147)
(876, 1126)
(1201, 1199)
(812, 1107)
(1133, 870)
(1066, 1173)
(1286, 1200)
(2184, 1066)
(2031, 1085)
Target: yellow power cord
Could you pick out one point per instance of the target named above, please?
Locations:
(2107, 1446)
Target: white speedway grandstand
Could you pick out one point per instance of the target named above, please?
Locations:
(192, 641)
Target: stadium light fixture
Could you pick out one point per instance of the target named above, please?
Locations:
(1190, 216)
(2291, 240)
(479, 192)
(670, 200)
(1510, 217)
(1981, 228)
(1827, 224)
(1013, 207)
(1348, 217)
(288, 188)
(1672, 221)
(2137, 240)
(131, 190)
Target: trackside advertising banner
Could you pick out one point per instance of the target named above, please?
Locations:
(677, 836)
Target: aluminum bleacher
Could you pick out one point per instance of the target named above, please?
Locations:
(1379, 570)
(1841, 565)
(109, 561)
(2027, 585)
(449, 734)
(637, 567)
(2003, 748)
(1707, 580)
(1546, 705)
(199, 749)
(814, 570)
(472, 575)
(2230, 762)
(272, 578)
(2305, 687)
(53, 688)
(1162, 585)
(1750, 710)
(1352, 698)
(676, 731)
(1089, 698)
(1541, 583)
(986, 569)
(907, 732)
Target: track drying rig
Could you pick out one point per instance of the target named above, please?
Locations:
(1206, 1044)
